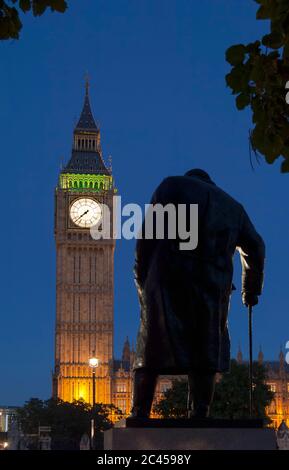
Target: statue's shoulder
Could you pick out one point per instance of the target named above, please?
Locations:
(227, 198)
(169, 184)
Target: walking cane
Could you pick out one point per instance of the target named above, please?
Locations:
(250, 360)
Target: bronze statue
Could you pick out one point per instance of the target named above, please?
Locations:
(184, 295)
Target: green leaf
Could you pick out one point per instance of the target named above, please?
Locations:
(39, 7)
(235, 54)
(257, 72)
(25, 5)
(285, 166)
(242, 101)
(238, 78)
(259, 115)
(253, 47)
(285, 151)
(274, 144)
(257, 138)
(58, 5)
(273, 40)
(263, 13)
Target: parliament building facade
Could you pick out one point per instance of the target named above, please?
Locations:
(85, 285)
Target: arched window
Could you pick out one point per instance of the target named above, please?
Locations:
(85, 184)
(75, 184)
(93, 144)
(70, 183)
(78, 143)
(91, 184)
(80, 184)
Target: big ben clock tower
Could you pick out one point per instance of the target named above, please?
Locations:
(84, 269)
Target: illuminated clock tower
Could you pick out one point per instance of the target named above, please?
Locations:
(84, 275)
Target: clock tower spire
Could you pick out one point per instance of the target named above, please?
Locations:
(84, 269)
(86, 156)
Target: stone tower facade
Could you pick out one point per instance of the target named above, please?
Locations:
(85, 280)
(84, 269)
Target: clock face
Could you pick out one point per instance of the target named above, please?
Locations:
(85, 212)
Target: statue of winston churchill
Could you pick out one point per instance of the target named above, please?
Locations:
(184, 294)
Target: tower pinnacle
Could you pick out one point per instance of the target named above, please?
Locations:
(86, 155)
(281, 360)
(260, 356)
(86, 122)
(239, 355)
(86, 83)
(126, 351)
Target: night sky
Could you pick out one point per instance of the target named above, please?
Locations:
(158, 91)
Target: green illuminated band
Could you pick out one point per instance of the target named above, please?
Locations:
(77, 182)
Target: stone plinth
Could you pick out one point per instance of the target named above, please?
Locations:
(156, 434)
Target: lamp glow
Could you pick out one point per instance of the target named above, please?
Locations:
(93, 362)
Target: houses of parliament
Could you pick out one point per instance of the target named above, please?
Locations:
(85, 284)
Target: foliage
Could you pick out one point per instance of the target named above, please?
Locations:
(232, 395)
(231, 398)
(260, 71)
(10, 23)
(68, 421)
(174, 401)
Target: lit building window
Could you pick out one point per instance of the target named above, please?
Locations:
(288, 387)
(121, 387)
(272, 387)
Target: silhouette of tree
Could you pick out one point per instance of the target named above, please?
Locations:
(231, 398)
(259, 76)
(68, 421)
(10, 11)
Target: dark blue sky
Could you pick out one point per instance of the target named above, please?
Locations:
(157, 88)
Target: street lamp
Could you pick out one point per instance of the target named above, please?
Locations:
(93, 363)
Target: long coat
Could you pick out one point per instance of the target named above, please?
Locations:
(184, 295)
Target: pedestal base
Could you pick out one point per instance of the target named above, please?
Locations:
(151, 434)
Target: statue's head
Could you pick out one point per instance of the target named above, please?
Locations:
(200, 174)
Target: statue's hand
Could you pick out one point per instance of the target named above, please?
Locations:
(249, 299)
